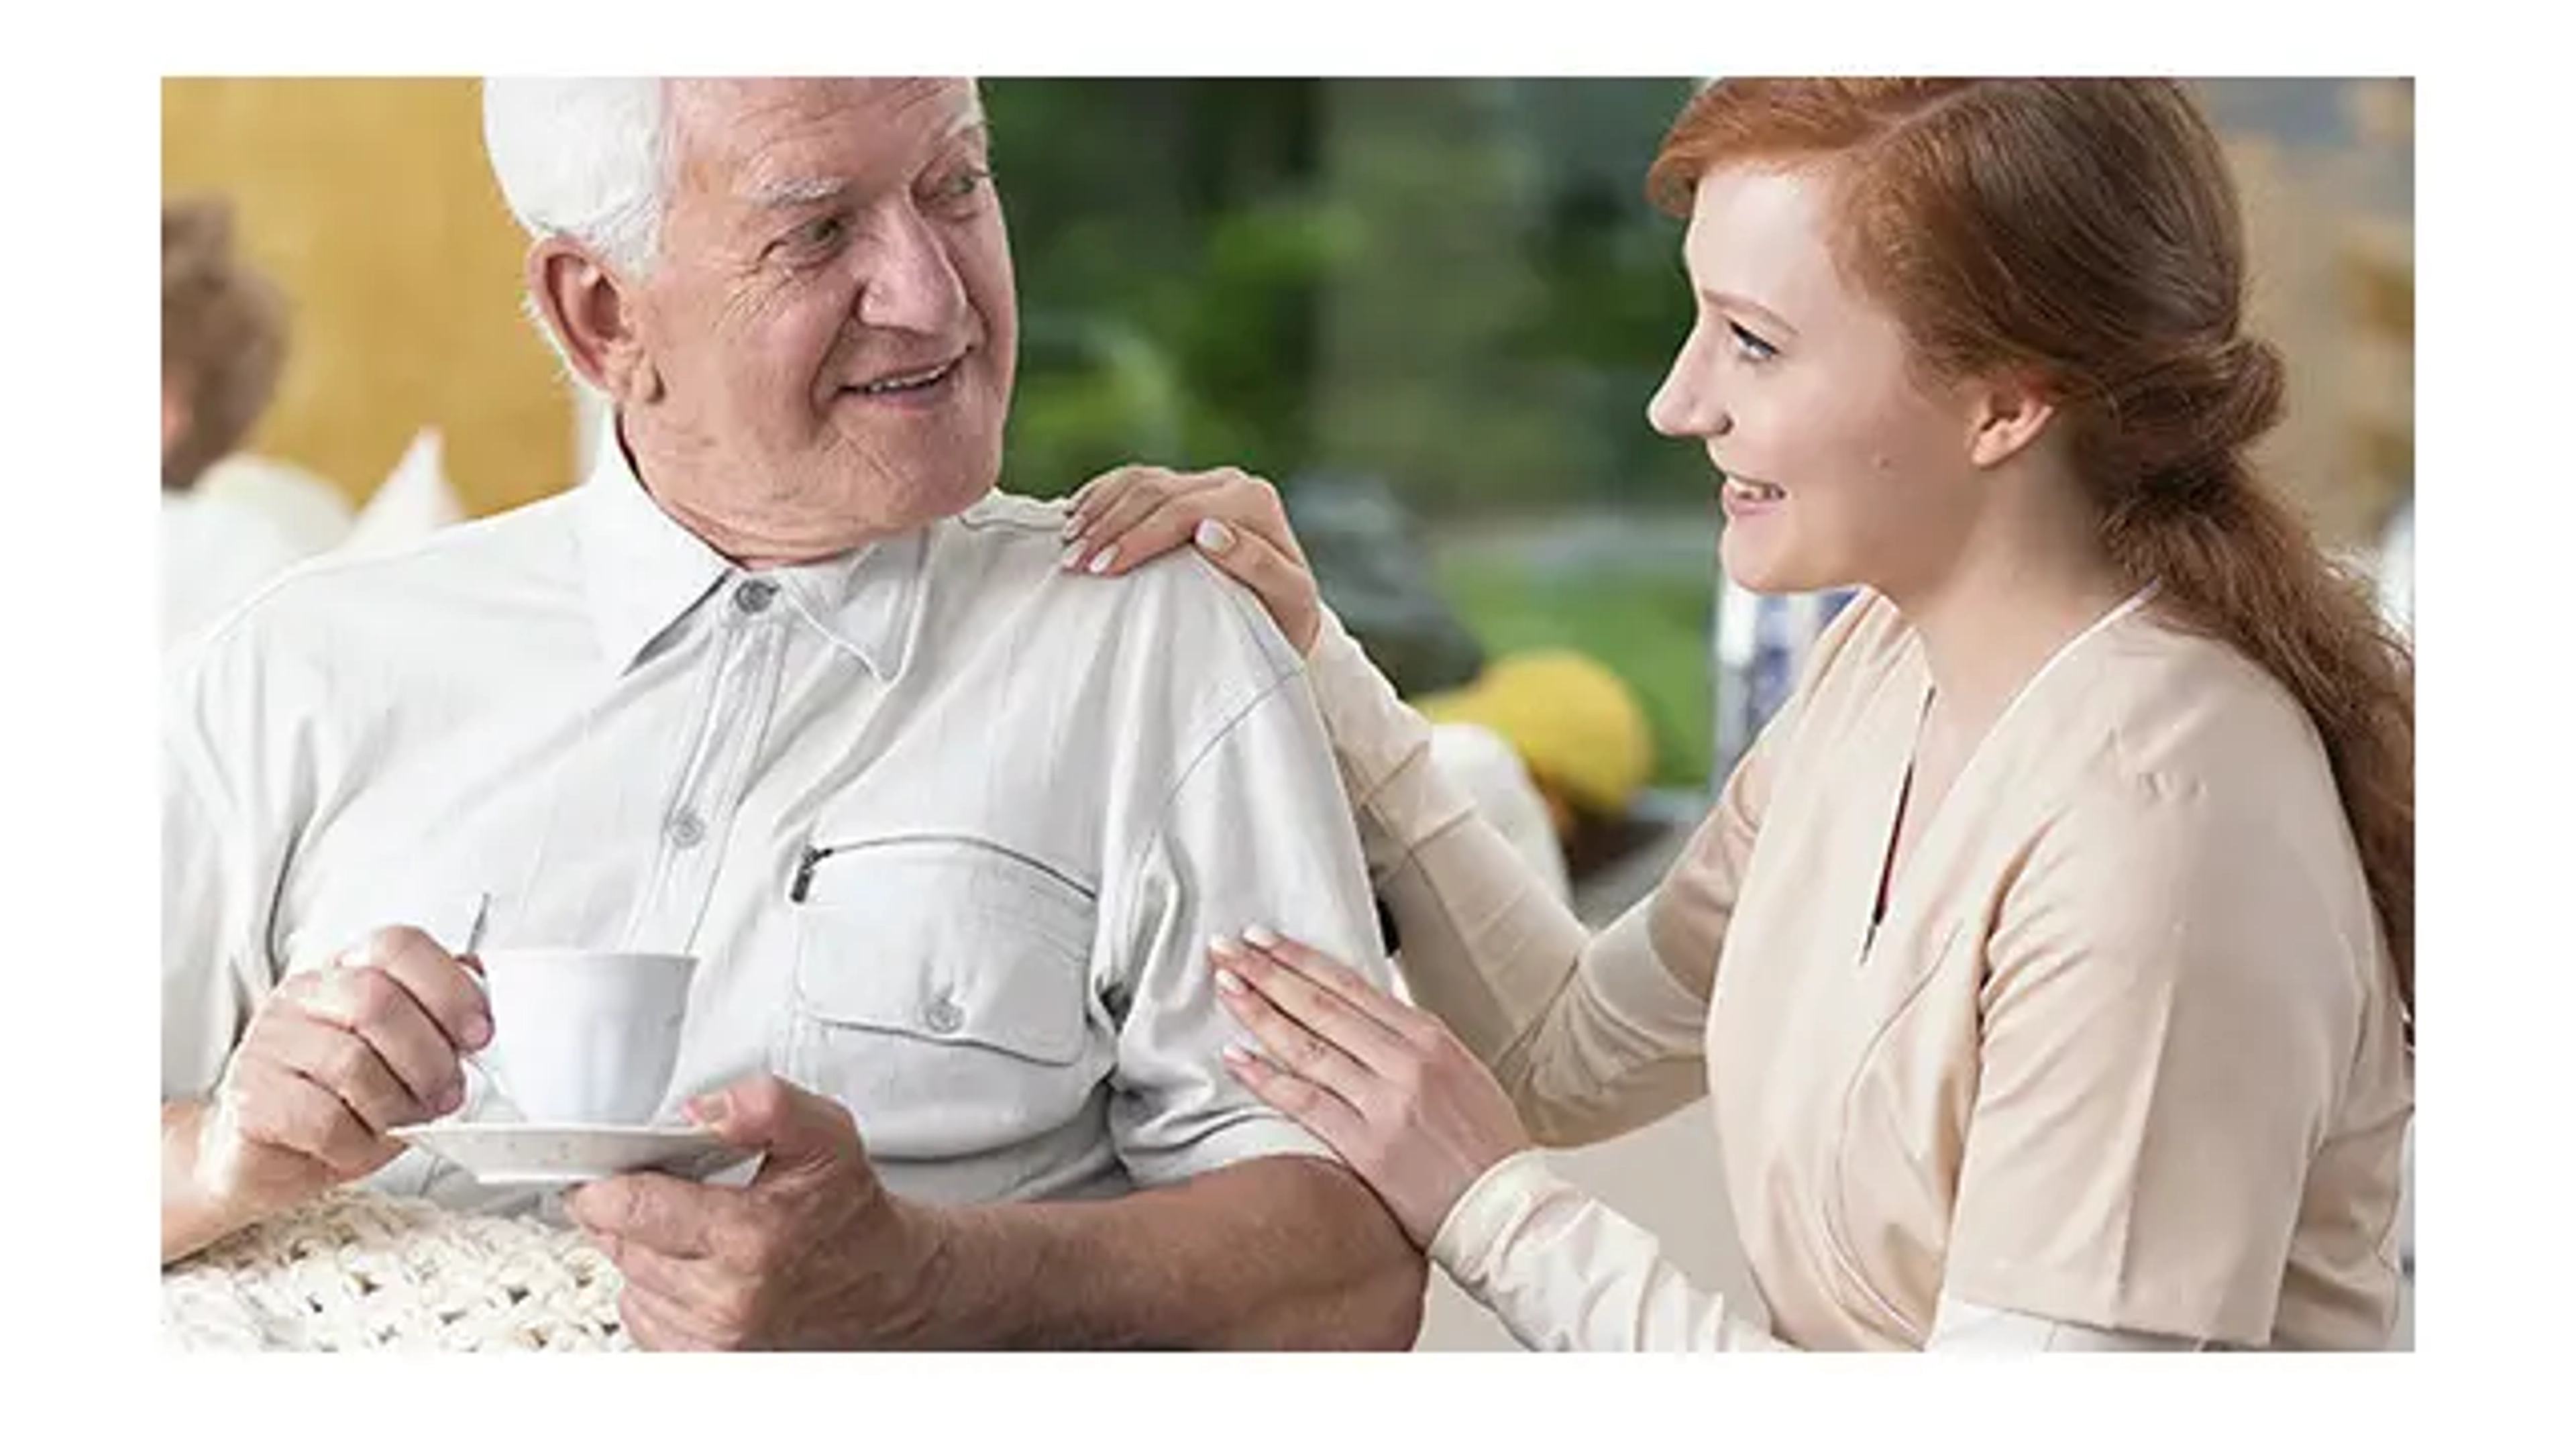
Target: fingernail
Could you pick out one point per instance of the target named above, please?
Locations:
(1072, 525)
(709, 1109)
(1225, 945)
(1213, 536)
(1228, 982)
(450, 1097)
(1072, 559)
(1237, 1055)
(1261, 936)
(478, 1032)
(1106, 557)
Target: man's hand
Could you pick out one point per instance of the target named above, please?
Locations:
(332, 1061)
(815, 1253)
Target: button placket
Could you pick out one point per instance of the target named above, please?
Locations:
(747, 680)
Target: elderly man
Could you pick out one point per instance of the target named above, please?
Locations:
(785, 684)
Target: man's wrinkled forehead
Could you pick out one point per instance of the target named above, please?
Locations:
(745, 131)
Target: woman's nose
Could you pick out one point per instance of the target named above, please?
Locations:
(1686, 406)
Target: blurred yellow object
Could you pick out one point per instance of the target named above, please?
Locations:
(1577, 726)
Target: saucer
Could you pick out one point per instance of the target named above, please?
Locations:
(552, 1154)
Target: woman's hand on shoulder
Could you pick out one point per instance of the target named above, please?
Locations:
(1129, 515)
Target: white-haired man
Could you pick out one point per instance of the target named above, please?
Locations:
(787, 685)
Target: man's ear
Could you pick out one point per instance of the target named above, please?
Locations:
(2011, 410)
(592, 313)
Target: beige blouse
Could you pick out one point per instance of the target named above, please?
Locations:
(2125, 1050)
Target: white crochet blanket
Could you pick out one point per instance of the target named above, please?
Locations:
(359, 1270)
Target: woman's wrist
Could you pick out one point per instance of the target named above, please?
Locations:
(1482, 1219)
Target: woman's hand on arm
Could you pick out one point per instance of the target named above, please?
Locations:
(1384, 1085)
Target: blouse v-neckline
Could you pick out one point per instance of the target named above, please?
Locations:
(1887, 880)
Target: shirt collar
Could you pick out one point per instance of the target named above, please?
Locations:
(642, 572)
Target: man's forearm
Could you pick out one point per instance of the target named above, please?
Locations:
(1275, 1254)
(189, 1221)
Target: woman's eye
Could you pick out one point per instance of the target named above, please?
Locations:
(1753, 348)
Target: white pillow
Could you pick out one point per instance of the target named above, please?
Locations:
(414, 501)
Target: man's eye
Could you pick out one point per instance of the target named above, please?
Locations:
(964, 183)
(811, 240)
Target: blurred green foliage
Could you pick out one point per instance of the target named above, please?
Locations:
(1455, 285)
(1452, 286)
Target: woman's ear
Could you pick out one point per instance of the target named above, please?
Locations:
(2009, 412)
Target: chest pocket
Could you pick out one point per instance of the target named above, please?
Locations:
(941, 993)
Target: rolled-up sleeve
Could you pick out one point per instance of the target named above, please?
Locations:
(1257, 831)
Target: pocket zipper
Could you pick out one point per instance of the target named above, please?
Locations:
(814, 855)
(806, 860)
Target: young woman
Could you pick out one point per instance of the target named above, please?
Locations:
(2048, 961)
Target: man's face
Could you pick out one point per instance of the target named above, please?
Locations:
(831, 317)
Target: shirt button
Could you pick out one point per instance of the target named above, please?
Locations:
(754, 595)
(687, 829)
(942, 1015)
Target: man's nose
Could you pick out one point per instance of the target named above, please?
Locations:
(912, 284)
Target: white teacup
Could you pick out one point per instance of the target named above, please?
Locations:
(584, 1037)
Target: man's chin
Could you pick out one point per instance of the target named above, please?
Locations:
(919, 497)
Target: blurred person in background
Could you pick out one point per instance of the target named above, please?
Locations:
(223, 344)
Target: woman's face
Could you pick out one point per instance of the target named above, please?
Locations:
(1841, 463)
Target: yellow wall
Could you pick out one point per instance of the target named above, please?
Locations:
(370, 202)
